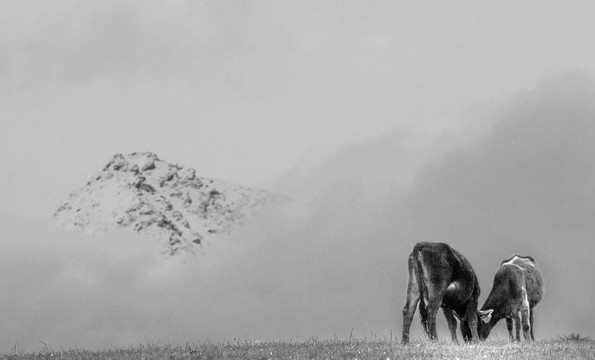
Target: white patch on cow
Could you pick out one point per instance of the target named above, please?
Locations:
(424, 274)
(513, 265)
(486, 315)
(511, 261)
(516, 260)
(525, 298)
(518, 266)
(526, 261)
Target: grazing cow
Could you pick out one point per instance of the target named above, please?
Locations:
(517, 289)
(439, 276)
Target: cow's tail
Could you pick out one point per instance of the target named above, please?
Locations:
(423, 289)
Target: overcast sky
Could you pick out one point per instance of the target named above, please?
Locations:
(464, 122)
(243, 91)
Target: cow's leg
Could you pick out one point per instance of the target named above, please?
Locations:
(452, 323)
(531, 321)
(525, 323)
(434, 300)
(509, 328)
(465, 332)
(433, 307)
(525, 316)
(517, 325)
(408, 312)
(413, 297)
(472, 319)
(423, 314)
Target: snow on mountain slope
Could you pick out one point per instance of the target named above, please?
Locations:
(156, 198)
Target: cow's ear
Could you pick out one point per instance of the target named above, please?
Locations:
(485, 315)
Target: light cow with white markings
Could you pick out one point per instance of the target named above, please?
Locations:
(517, 289)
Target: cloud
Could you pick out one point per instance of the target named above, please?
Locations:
(520, 185)
(338, 262)
(64, 289)
(294, 273)
(532, 170)
(526, 187)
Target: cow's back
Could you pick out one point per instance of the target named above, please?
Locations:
(435, 261)
(440, 261)
(464, 270)
(533, 280)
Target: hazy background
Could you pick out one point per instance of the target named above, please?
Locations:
(389, 123)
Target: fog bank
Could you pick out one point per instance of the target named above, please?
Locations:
(335, 263)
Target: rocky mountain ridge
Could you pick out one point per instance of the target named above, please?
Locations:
(153, 197)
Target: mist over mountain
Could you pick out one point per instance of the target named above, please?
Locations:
(523, 185)
(338, 263)
(526, 187)
(156, 198)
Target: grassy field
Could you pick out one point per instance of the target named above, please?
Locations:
(568, 347)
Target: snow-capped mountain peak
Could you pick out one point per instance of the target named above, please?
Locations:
(157, 198)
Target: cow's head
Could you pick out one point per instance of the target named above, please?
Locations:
(484, 323)
(466, 326)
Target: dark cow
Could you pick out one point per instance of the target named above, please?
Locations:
(439, 276)
(517, 289)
